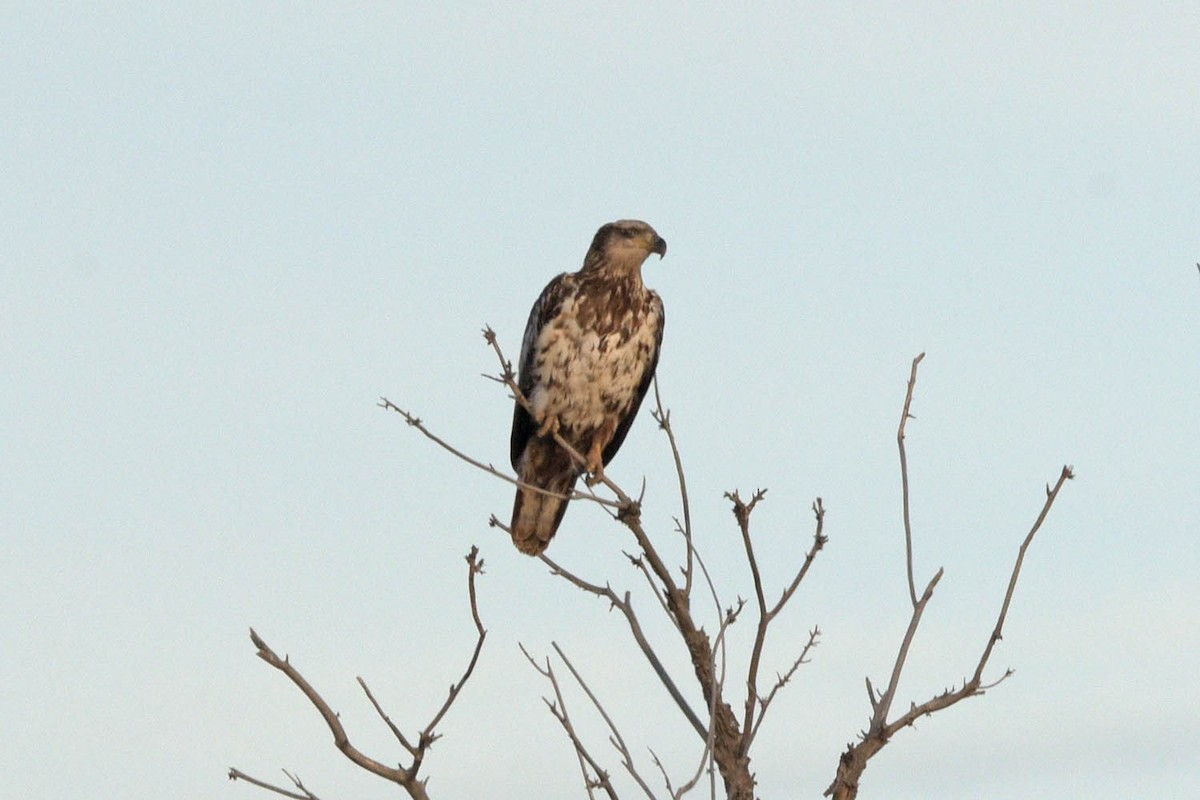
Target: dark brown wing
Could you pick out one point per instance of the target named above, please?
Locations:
(545, 308)
(643, 387)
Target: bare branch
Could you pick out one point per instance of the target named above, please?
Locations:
(782, 681)
(305, 794)
(1051, 495)
(400, 737)
(975, 685)
(741, 512)
(558, 709)
(428, 735)
(662, 771)
(872, 694)
(663, 418)
(397, 775)
(299, 784)
(904, 417)
(415, 422)
(640, 564)
(819, 542)
(879, 731)
(617, 740)
(474, 567)
(625, 606)
(405, 777)
(506, 375)
(879, 719)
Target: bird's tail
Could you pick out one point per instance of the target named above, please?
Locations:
(536, 515)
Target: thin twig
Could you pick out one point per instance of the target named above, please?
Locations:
(904, 417)
(474, 567)
(1051, 495)
(404, 776)
(742, 512)
(415, 422)
(781, 681)
(341, 740)
(625, 606)
(819, 542)
(558, 709)
(663, 418)
(879, 731)
(617, 740)
(662, 771)
(299, 784)
(640, 564)
(407, 745)
(237, 775)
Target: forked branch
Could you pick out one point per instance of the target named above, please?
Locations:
(406, 777)
(879, 730)
(594, 776)
(625, 606)
(755, 703)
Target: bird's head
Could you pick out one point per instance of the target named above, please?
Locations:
(625, 242)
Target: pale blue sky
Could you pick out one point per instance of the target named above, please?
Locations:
(227, 229)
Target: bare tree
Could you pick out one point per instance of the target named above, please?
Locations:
(725, 735)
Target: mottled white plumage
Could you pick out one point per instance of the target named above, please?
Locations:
(587, 358)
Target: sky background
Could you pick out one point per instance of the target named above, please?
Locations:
(227, 229)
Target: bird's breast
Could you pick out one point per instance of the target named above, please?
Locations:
(589, 363)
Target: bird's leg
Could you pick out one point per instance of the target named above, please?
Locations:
(549, 425)
(595, 462)
(595, 454)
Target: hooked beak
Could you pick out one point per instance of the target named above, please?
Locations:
(660, 247)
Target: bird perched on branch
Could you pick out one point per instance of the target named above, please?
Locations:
(587, 359)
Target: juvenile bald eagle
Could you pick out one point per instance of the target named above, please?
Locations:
(587, 359)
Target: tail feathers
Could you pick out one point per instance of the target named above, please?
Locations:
(537, 515)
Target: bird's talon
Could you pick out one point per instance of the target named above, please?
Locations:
(549, 426)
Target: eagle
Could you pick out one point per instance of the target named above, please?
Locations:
(587, 358)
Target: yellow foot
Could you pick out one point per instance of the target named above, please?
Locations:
(595, 461)
(549, 426)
